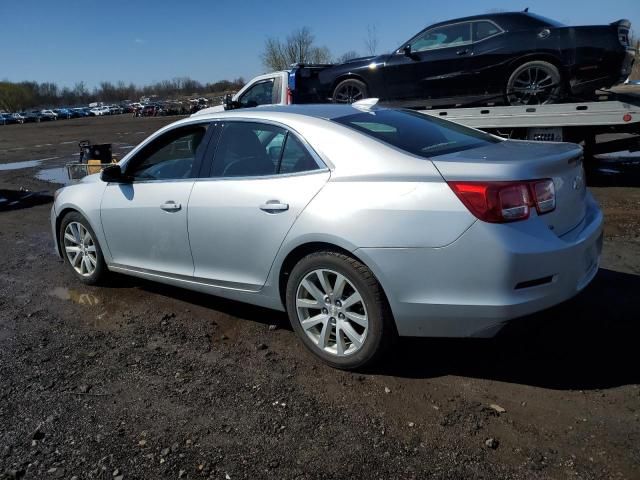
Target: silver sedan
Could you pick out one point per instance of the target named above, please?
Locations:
(360, 222)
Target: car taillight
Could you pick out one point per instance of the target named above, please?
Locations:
(289, 102)
(502, 202)
(544, 194)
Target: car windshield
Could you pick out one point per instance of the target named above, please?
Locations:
(416, 133)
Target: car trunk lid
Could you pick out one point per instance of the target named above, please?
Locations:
(514, 160)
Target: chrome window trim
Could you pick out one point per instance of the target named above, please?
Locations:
(470, 22)
(470, 42)
(501, 30)
(265, 177)
(184, 123)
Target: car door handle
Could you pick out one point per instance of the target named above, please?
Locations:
(170, 206)
(274, 206)
(464, 51)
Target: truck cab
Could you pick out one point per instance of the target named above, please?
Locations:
(284, 87)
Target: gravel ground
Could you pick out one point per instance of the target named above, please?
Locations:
(144, 381)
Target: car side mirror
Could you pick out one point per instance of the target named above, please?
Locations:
(406, 50)
(229, 103)
(113, 173)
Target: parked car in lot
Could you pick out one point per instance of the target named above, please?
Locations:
(48, 115)
(63, 113)
(9, 118)
(521, 58)
(99, 111)
(82, 111)
(31, 117)
(358, 221)
(19, 117)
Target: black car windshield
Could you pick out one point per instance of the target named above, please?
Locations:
(416, 133)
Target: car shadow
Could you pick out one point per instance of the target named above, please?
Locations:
(240, 310)
(589, 342)
(19, 199)
(620, 173)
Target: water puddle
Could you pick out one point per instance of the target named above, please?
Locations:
(101, 316)
(54, 175)
(19, 165)
(64, 293)
(25, 164)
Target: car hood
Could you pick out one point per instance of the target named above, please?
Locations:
(205, 111)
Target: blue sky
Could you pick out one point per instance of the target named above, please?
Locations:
(141, 41)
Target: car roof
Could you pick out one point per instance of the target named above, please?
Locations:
(504, 19)
(328, 111)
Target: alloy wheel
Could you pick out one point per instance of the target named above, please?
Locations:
(80, 249)
(533, 86)
(332, 312)
(348, 94)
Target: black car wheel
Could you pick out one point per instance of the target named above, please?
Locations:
(534, 83)
(349, 91)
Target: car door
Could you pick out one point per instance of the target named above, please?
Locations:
(434, 64)
(261, 178)
(145, 218)
(263, 92)
(492, 51)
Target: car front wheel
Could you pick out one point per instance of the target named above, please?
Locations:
(80, 249)
(338, 309)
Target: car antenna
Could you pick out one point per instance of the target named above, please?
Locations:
(365, 103)
(526, 10)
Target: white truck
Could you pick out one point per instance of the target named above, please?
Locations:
(574, 122)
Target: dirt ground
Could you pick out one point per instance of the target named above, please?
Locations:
(144, 381)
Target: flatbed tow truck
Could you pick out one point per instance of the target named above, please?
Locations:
(578, 122)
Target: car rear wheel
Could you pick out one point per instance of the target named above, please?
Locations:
(349, 91)
(80, 249)
(338, 309)
(534, 83)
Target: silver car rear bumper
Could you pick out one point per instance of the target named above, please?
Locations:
(491, 274)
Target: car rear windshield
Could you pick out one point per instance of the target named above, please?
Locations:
(544, 21)
(416, 133)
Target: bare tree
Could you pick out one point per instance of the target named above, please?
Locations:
(345, 57)
(371, 42)
(298, 48)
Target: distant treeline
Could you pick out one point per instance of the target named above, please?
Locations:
(18, 96)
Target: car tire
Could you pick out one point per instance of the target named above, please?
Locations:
(93, 270)
(540, 77)
(361, 343)
(349, 91)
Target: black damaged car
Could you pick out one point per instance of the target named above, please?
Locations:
(517, 58)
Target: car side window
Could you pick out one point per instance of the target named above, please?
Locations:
(441, 37)
(295, 157)
(260, 94)
(252, 149)
(170, 156)
(248, 149)
(484, 29)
